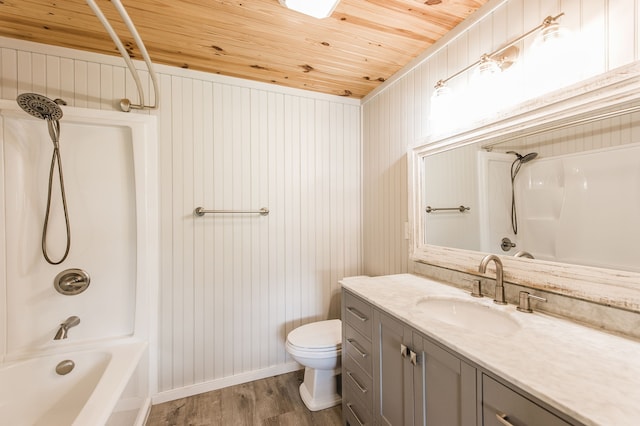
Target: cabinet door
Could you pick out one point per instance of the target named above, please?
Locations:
(445, 393)
(393, 402)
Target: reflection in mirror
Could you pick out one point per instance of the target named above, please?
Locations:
(577, 201)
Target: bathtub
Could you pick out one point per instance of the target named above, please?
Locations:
(32, 393)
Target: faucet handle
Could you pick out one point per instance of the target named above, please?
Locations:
(476, 287)
(524, 304)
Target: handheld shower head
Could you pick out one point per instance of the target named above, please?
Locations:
(528, 157)
(524, 158)
(49, 110)
(39, 106)
(515, 168)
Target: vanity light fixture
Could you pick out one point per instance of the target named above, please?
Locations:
(499, 60)
(317, 8)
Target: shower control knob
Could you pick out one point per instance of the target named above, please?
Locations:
(71, 282)
(507, 244)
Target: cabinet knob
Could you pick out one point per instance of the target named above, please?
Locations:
(404, 350)
(413, 358)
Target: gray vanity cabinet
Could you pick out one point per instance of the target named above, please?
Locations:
(416, 381)
(394, 375)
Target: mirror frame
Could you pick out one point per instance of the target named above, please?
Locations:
(611, 92)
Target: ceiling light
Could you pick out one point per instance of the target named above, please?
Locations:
(316, 8)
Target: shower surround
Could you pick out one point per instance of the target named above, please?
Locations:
(111, 178)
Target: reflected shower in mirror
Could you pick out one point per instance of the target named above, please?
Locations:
(578, 202)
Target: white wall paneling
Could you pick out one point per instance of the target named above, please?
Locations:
(607, 31)
(232, 286)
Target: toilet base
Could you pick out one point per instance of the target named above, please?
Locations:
(319, 390)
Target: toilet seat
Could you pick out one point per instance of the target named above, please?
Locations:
(321, 336)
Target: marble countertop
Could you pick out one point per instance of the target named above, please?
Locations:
(590, 375)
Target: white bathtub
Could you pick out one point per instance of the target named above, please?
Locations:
(32, 393)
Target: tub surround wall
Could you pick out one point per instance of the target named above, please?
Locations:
(97, 158)
(232, 287)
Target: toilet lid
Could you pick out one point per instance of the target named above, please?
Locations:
(317, 335)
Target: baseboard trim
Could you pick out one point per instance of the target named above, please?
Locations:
(224, 382)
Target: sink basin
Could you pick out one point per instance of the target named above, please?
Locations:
(469, 315)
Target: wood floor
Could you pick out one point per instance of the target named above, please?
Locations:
(269, 402)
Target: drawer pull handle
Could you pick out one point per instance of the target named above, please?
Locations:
(502, 418)
(354, 380)
(404, 350)
(349, 406)
(362, 353)
(356, 313)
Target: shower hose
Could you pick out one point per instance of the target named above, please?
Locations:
(54, 132)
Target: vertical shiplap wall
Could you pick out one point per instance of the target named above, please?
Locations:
(396, 116)
(232, 286)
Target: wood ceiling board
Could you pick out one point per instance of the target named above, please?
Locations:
(350, 53)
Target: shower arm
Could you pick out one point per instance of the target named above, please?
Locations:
(125, 104)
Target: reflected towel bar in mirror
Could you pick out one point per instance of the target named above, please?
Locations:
(461, 209)
(200, 211)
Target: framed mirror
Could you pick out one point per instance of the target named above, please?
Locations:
(557, 179)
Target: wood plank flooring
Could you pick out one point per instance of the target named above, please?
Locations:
(269, 402)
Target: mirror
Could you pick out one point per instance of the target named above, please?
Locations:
(575, 197)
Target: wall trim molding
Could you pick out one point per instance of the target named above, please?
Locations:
(224, 382)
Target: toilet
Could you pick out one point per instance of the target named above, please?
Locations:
(318, 346)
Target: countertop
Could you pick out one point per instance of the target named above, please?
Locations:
(590, 375)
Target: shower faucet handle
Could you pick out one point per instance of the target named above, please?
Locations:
(506, 244)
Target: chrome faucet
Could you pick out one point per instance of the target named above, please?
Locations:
(499, 297)
(65, 326)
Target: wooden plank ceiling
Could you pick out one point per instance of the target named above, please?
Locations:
(349, 54)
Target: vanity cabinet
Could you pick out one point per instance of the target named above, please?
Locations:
(394, 375)
(416, 381)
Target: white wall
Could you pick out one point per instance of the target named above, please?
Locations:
(231, 287)
(396, 116)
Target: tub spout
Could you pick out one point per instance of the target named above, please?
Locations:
(65, 326)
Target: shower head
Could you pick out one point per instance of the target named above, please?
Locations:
(40, 106)
(524, 158)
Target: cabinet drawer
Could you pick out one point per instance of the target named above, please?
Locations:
(358, 314)
(354, 413)
(357, 347)
(357, 383)
(498, 399)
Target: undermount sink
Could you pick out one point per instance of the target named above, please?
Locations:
(469, 315)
